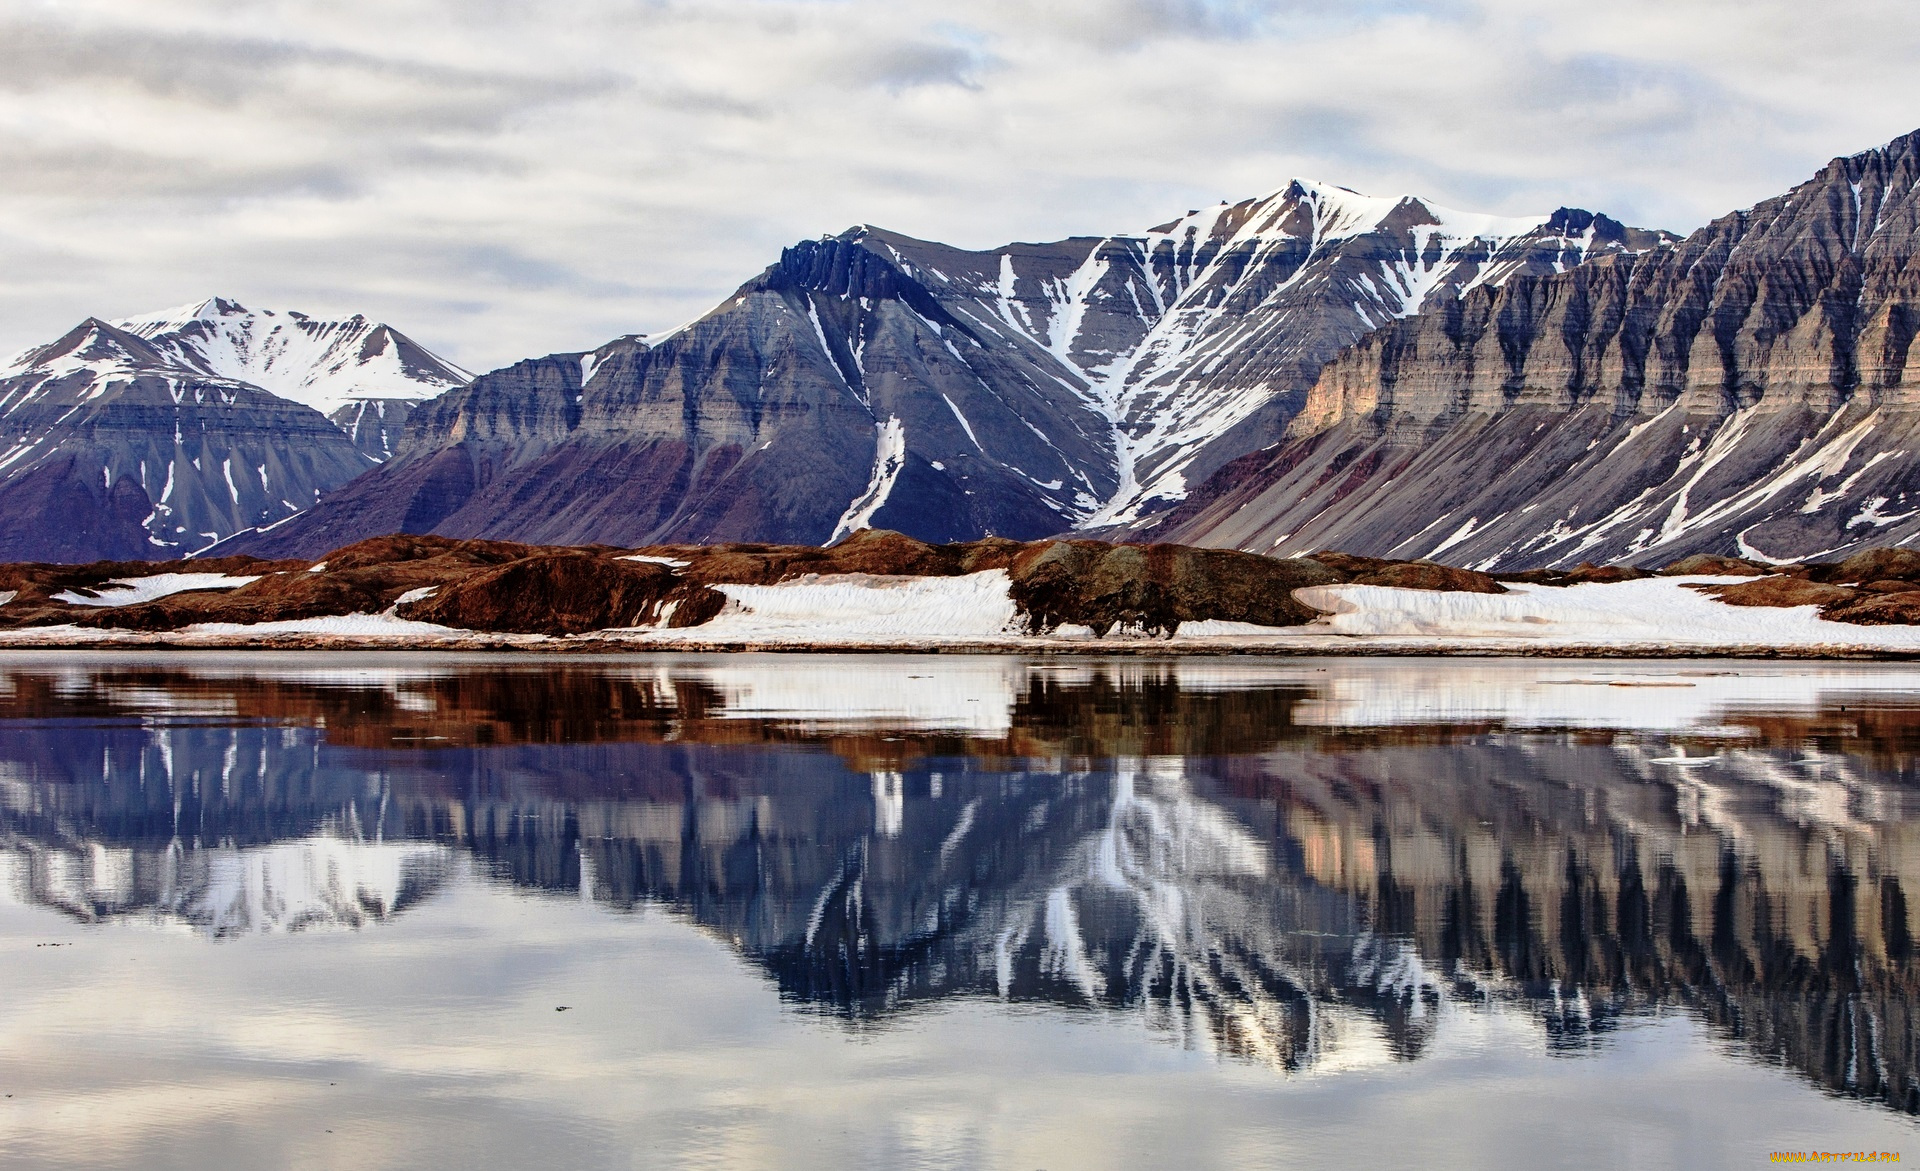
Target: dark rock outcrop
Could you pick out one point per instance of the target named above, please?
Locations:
(1406, 575)
(1877, 564)
(1154, 588)
(1703, 564)
(1877, 608)
(568, 593)
(1778, 590)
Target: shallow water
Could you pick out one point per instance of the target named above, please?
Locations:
(792, 911)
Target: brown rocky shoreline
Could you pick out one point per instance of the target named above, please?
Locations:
(1116, 598)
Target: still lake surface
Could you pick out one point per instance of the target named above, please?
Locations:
(818, 911)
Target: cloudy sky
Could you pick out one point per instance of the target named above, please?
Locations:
(501, 178)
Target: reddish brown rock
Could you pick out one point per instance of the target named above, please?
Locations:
(1778, 590)
(1349, 565)
(1587, 572)
(1406, 575)
(567, 593)
(883, 552)
(1547, 577)
(1427, 575)
(1877, 565)
(1711, 564)
(1878, 609)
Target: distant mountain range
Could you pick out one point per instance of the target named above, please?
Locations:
(871, 379)
(156, 436)
(1313, 368)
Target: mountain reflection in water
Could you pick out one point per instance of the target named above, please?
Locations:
(1296, 864)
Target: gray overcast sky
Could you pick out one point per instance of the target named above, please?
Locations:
(504, 178)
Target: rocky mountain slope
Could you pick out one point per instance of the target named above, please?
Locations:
(161, 435)
(1748, 391)
(871, 379)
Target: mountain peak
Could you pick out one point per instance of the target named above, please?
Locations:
(320, 363)
(179, 316)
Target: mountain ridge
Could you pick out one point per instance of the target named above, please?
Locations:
(869, 378)
(1749, 391)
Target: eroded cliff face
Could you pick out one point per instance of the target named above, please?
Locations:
(1747, 391)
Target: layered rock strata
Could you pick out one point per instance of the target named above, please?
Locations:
(1748, 391)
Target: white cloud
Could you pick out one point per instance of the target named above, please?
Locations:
(503, 179)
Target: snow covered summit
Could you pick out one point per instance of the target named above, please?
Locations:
(321, 364)
(364, 375)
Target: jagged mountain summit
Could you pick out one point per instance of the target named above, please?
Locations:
(155, 438)
(871, 379)
(1751, 391)
(364, 375)
(1260, 294)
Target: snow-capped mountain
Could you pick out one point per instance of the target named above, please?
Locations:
(114, 451)
(1197, 339)
(164, 434)
(364, 375)
(1748, 391)
(872, 379)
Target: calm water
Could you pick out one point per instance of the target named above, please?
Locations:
(367, 911)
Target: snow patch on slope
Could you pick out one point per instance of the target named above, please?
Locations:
(889, 456)
(129, 591)
(861, 606)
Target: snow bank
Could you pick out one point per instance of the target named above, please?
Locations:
(359, 625)
(1661, 610)
(862, 608)
(129, 591)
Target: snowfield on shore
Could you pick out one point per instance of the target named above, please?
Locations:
(858, 607)
(1655, 609)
